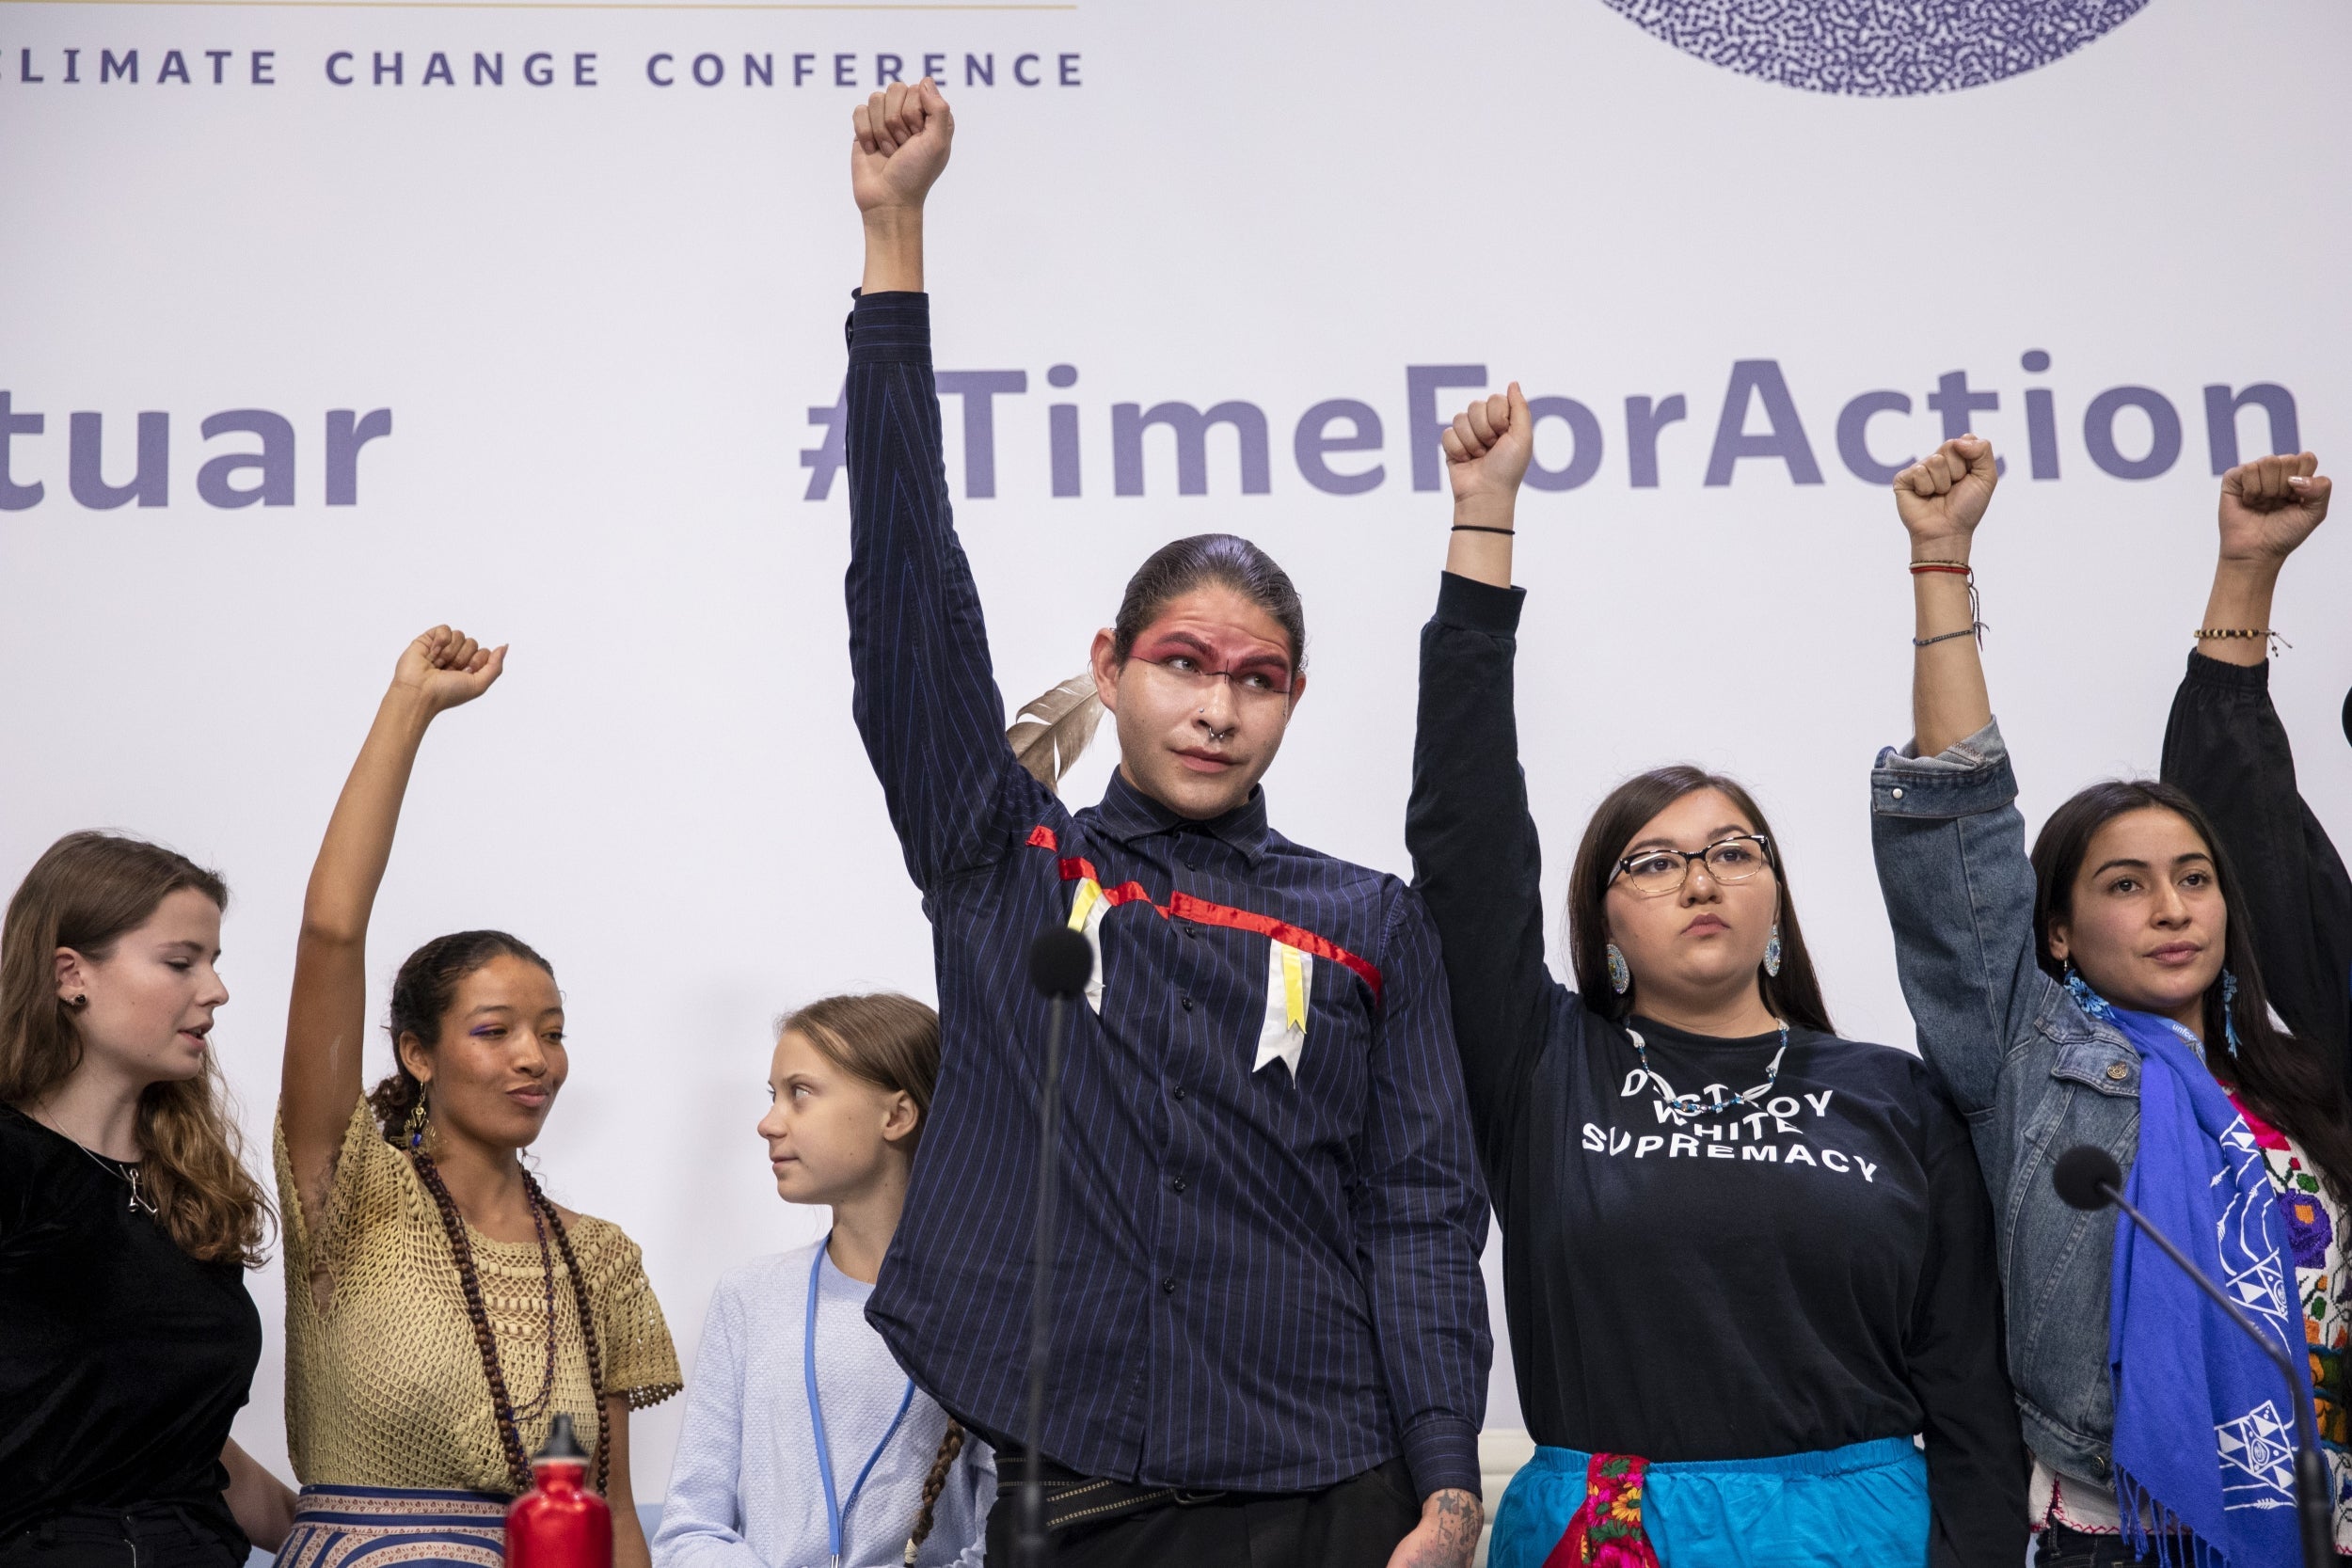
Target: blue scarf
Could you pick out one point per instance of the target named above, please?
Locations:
(2182, 1369)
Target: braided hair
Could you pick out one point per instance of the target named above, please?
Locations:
(950, 1445)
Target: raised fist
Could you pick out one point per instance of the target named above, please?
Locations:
(1487, 448)
(1943, 495)
(448, 668)
(2271, 505)
(902, 141)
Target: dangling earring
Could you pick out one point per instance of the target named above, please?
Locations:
(1771, 950)
(2091, 1002)
(417, 1121)
(2229, 1012)
(1620, 977)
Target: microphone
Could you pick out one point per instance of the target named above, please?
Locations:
(1060, 963)
(2087, 1177)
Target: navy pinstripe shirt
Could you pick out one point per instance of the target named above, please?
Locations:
(1264, 1282)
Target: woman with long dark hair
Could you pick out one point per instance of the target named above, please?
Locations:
(1744, 1260)
(2106, 990)
(441, 1309)
(127, 1221)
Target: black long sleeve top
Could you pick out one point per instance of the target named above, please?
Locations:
(2224, 745)
(1816, 1274)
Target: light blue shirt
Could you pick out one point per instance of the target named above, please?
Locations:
(744, 1491)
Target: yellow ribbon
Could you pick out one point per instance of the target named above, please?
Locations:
(1294, 989)
(1082, 902)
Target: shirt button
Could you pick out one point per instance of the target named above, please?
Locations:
(1898, 794)
(1187, 1004)
(1180, 1091)
(1178, 1183)
(1168, 1286)
(2118, 1071)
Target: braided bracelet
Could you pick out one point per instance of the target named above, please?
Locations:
(1473, 527)
(1976, 631)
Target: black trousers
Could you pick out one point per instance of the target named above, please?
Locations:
(161, 1536)
(1354, 1524)
(2060, 1547)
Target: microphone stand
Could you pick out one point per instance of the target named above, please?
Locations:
(1033, 1542)
(2310, 1466)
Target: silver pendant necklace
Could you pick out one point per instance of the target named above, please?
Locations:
(1691, 1105)
(126, 1172)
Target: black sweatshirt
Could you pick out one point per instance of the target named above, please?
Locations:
(1813, 1275)
(2224, 745)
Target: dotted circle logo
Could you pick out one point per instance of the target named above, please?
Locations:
(1878, 48)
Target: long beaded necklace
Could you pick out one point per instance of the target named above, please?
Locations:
(1691, 1105)
(502, 1407)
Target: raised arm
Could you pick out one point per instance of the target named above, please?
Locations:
(2225, 746)
(1941, 501)
(926, 699)
(1944, 829)
(326, 1018)
(1476, 859)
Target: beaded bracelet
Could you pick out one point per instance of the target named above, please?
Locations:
(2226, 632)
(1976, 631)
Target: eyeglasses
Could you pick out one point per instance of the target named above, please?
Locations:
(1655, 873)
(1253, 684)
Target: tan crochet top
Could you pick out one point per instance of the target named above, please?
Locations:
(384, 1383)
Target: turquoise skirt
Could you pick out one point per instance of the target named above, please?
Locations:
(1866, 1503)
(345, 1526)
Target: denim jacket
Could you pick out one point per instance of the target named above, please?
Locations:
(2033, 1075)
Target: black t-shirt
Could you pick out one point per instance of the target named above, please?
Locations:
(122, 1360)
(1811, 1273)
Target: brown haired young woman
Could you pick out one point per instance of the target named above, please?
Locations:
(440, 1312)
(1744, 1260)
(803, 1440)
(126, 1222)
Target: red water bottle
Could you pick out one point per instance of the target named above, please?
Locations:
(559, 1523)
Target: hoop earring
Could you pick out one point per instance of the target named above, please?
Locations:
(1620, 977)
(1772, 951)
(2229, 1012)
(419, 1119)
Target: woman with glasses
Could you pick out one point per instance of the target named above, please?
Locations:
(1744, 1260)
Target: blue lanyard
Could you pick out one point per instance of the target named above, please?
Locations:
(835, 1510)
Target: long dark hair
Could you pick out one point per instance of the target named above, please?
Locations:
(87, 891)
(422, 993)
(2293, 1085)
(1182, 565)
(1794, 993)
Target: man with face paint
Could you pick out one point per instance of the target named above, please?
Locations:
(1270, 1339)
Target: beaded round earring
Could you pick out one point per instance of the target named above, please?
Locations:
(1771, 950)
(1620, 977)
(2229, 1012)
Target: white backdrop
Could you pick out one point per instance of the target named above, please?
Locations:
(601, 317)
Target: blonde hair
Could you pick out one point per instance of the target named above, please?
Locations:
(889, 1040)
(87, 891)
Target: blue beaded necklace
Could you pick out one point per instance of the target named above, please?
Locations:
(1691, 1105)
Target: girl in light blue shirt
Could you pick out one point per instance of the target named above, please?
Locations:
(805, 1444)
